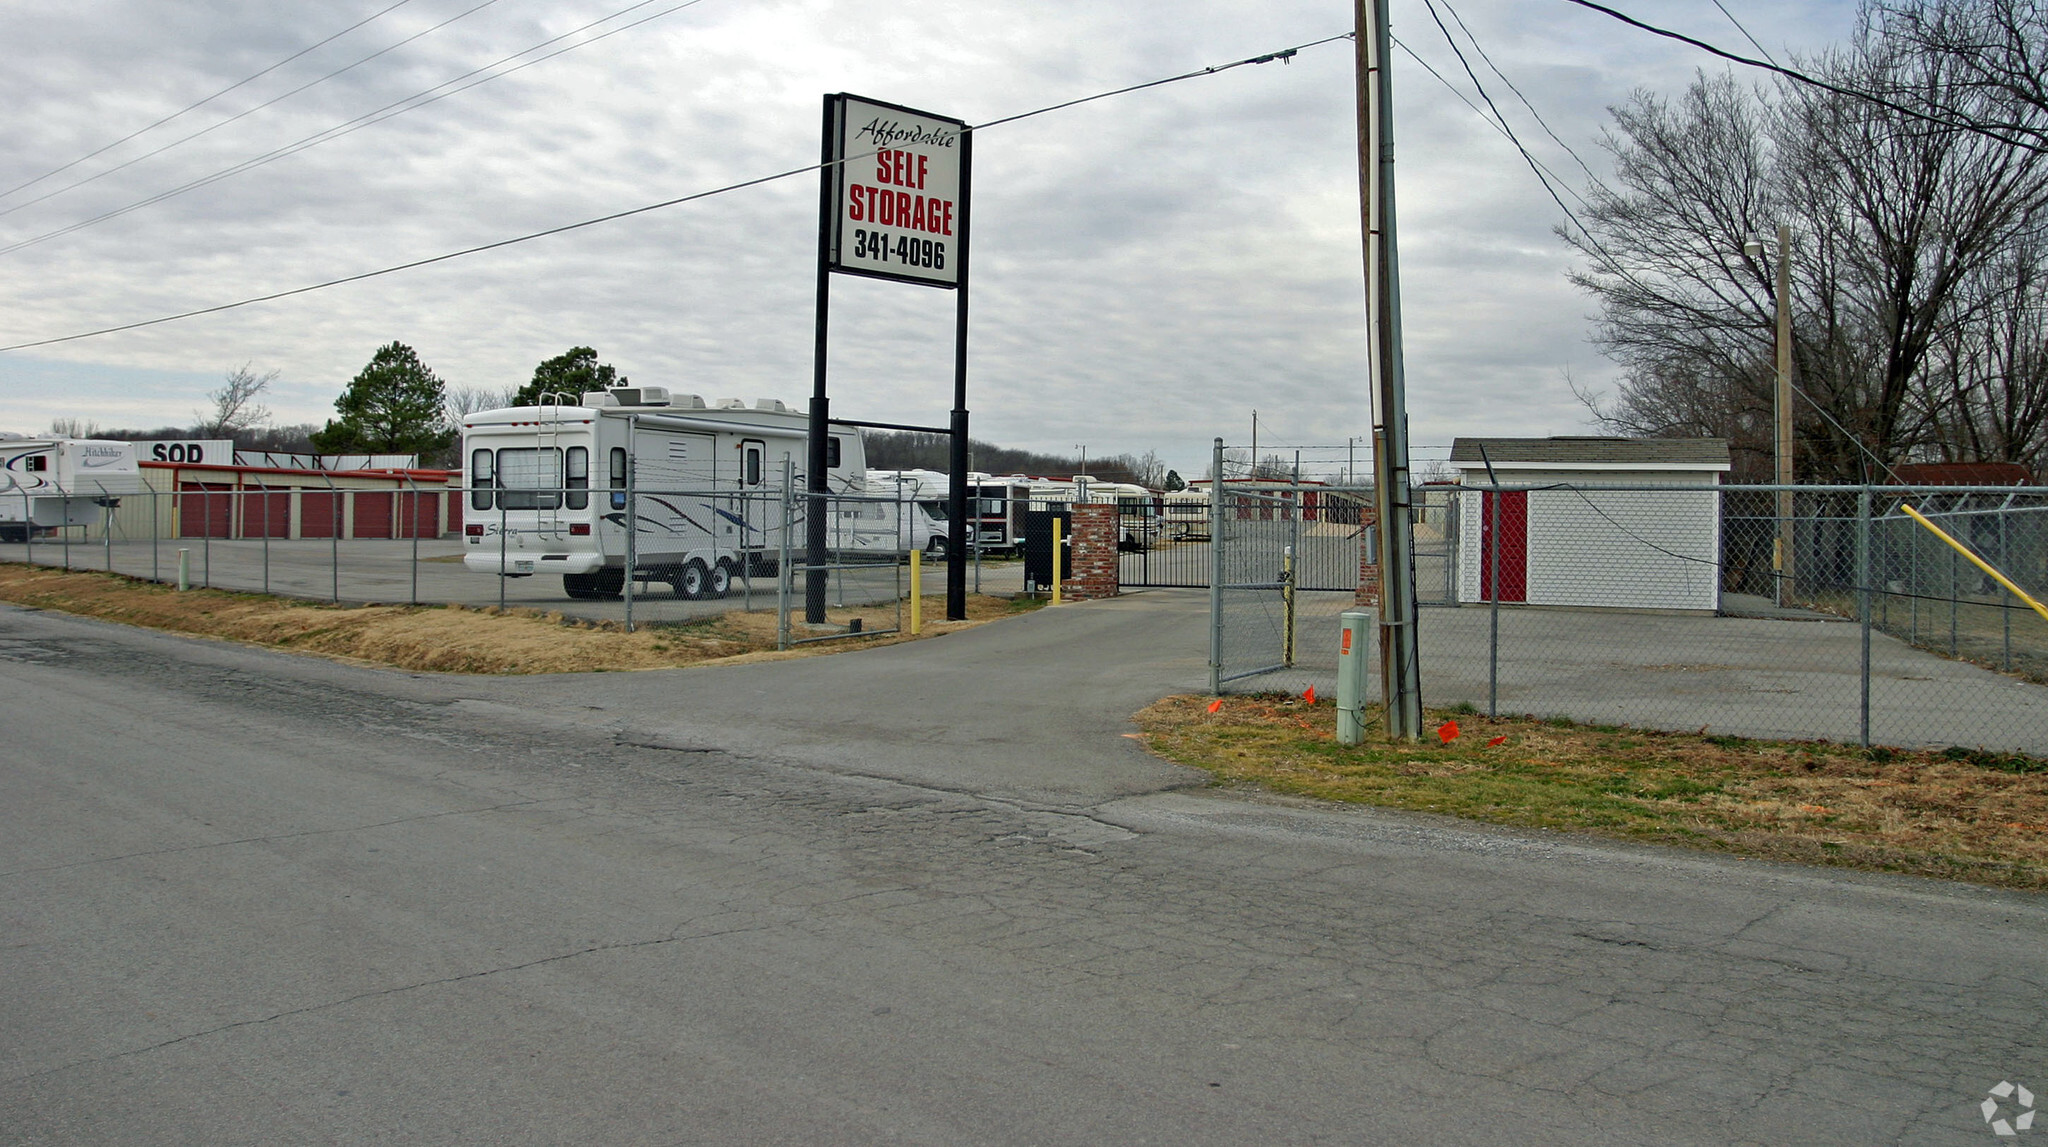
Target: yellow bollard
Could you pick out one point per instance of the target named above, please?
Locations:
(1057, 572)
(916, 593)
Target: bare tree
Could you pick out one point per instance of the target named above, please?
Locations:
(470, 399)
(74, 428)
(1904, 238)
(235, 405)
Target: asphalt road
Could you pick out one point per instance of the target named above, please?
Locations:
(922, 894)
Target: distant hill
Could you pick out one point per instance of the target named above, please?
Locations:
(914, 450)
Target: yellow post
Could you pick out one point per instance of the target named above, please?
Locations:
(916, 593)
(1974, 560)
(1057, 572)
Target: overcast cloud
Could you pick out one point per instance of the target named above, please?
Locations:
(1147, 269)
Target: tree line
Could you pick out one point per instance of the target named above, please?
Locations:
(1916, 187)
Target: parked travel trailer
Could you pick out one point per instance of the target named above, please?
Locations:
(1184, 515)
(49, 483)
(909, 512)
(1137, 507)
(548, 489)
(998, 506)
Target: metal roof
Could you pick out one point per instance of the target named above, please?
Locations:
(1570, 451)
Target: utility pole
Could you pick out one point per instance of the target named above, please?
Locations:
(1400, 653)
(1782, 562)
(1784, 404)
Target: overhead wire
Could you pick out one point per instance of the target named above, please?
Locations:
(1825, 85)
(213, 127)
(196, 105)
(1283, 54)
(414, 102)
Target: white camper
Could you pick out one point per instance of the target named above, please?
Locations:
(547, 489)
(49, 483)
(908, 512)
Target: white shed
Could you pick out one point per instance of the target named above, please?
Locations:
(1570, 537)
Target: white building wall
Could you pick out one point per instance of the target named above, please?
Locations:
(1622, 549)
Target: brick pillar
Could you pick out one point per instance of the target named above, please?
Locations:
(1095, 556)
(1368, 570)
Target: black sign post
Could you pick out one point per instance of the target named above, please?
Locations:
(892, 204)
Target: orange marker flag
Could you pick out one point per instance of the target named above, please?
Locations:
(1496, 741)
(1310, 696)
(1216, 704)
(1447, 732)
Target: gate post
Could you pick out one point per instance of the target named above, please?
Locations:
(1095, 554)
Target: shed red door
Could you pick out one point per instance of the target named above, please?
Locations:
(1512, 542)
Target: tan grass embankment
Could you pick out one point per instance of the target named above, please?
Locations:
(443, 639)
(1958, 813)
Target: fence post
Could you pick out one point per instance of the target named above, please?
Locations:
(2005, 605)
(155, 532)
(632, 521)
(1863, 606)
(1287, 607)
(414, 490)
(334, 542)
(1215, 569)
(266, 531)
(782, 577)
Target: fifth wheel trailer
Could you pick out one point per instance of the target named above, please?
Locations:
(550, 487)
(49, 483)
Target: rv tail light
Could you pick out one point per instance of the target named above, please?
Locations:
(579, 529)
(473, 531)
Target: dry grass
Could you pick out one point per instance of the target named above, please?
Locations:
(1960, 814)
(451, 639)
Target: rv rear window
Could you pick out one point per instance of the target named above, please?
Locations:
(480, 471)
(579, 477)
(530, 478)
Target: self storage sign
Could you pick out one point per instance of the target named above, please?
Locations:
(901, 191)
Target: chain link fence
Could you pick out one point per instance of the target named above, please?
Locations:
(1856, 614)
(692, 554)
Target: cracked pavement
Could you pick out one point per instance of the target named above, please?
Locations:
(922, 894)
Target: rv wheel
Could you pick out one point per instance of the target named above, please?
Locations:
(13, 533)
(935, 548)
(721, 580)
(581, 586)
(692, 581)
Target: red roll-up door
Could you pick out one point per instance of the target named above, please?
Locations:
(419, 514)
(373, 514)
(266, 514)
(319, 513)
(205, 510)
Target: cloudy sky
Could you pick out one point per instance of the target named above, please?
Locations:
(1148, 269)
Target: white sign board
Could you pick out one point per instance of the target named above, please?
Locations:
(901, 193)
(193, 451)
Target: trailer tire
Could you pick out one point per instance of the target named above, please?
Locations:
(692, 580)
(721, 580)
(582, 587)
(935, 548)
(13, 533)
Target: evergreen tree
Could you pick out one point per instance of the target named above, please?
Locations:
(574, 373)
(394, 406)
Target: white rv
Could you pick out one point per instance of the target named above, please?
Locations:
(908, 512)
(1137, 507)
(547, 489)
(48, 483)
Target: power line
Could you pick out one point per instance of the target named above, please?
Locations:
(396, 108)
(209, 99)
(1813, 81)
(245, 113)
(1283, 54)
